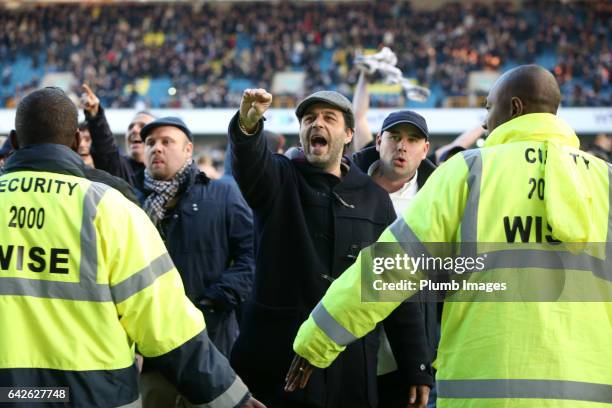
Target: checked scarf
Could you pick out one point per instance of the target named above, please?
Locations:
(163, 191)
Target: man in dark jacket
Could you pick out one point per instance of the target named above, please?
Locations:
(206, 224)
(313, 214)
(398, 163)
(104, 149)
(208, 230)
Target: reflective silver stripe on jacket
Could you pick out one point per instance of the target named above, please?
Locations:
(142, 279)
(230, 398)
(469, 223)
(541, 389)
(89, 246)
(331, 327)
(557, 260)
(87, 289)
(406, 238)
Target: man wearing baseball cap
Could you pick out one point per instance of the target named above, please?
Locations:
(398, 160)
(398, 164)
(208, 230)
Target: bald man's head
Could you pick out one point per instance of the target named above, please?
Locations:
(522, 90)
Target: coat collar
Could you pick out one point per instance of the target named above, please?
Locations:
(543, 127)
(49, 157)
(352, 177)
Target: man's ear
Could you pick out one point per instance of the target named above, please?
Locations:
(378, 141)
(349, 136)
(13, 138)
(517, 107)
(76, 142)
(425, 149)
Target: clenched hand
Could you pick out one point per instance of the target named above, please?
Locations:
(255, 102)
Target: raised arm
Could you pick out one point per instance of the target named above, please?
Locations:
(258, 172)
(104, 149)
(361, 104)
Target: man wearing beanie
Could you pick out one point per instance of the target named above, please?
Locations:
(208, 230)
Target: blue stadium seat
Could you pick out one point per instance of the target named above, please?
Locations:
(326, 59)
(158, 90)
(23, 72)
(239, 84)
(243, 42)
(547, 59)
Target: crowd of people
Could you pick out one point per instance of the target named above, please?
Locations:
(204, 47)
(144, 276)
(185, 290)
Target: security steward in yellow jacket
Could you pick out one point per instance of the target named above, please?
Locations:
(85, 278)
(548, 203)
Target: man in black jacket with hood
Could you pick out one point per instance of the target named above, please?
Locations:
(313, 215)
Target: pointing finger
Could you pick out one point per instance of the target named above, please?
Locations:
(88, 90)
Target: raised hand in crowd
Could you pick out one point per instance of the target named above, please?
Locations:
(89, 101)
(254, 103)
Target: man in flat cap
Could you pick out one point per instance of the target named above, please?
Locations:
(313, 213)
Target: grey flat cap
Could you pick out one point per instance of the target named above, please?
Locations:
(332, 98)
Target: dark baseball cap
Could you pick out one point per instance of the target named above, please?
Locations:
(332, 98)
(165, 121)
(409, 117)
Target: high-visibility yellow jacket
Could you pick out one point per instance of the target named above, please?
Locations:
(530, 183)
(84, 279)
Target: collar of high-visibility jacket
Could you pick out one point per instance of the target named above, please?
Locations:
(46, 157)
(544, 127)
